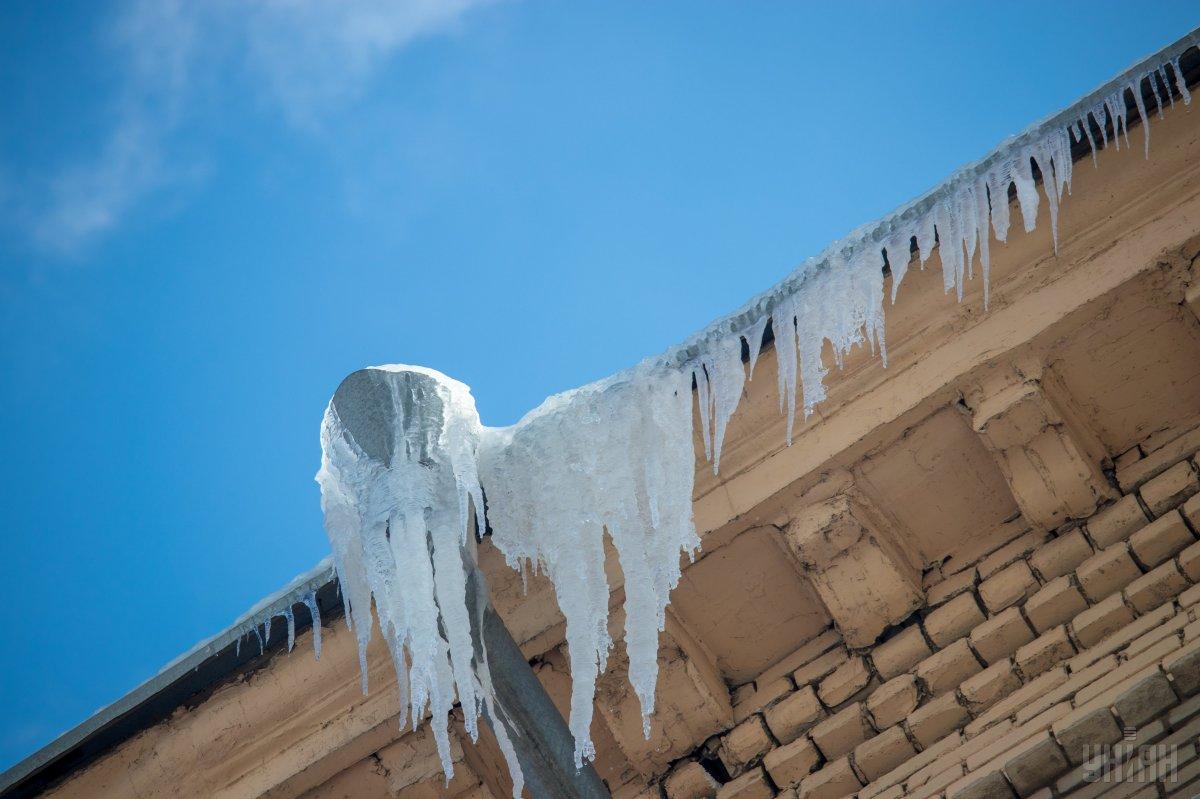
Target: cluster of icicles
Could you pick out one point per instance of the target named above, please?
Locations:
(616, 456)
(259, 625)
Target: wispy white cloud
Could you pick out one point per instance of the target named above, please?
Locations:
(305, 58)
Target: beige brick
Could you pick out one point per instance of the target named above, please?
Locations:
(1035, 704)
(813, 671)
(879, 755)
(951, 587)
(1148, 622)
(689, 780)
(894, 792)
(1191, 632)
(794, 714)
(1107, 572)
(893, 701)
(953, 620)
(916, 770)
(744, 744)
(1189, 562)
(1190, 597)
(988, 784)
(1191, 510)
(937, 719)
(1001, 635)
(1161, 539)
(1044, 652)
(844, 682)
(1117, 522)
(1035, 764)
(1170, 488)
(1106, 687)
(789, 764)
(945, 670)
(1184, 668)
(989, 686)
(1145, 699)
(909, 770)
(999, 746)
(935, 779)
(1017, 548)
(1055, 602)
(1151, 590)
(1061, 555)
(841, 732)
(1168, 629)
(1009, 586)
(1032, 692)
(1160, 454)
(741, 693)
(900, 653)
(1128, 458)
(808, 652)
(1082, 730)
(1093, 624)
(760, 695)
(834, 781)
(751, 785)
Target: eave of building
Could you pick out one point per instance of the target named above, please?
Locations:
(756, 467)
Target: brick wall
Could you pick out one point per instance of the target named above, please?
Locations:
(1012, 677)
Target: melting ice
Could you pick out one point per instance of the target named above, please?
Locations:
(615, 458)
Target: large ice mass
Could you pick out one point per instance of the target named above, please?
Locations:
(616, 458)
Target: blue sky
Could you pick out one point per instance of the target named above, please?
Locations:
(212, 212)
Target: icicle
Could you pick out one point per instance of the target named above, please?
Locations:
(981, 225)
(704, 396)
(310, 600)
(727, 391)
(1181, 82)
(925, 238)
(754, 337)
(398, 519)
(1027, 194)
(998, 182)
(267, 630)
(1166, 83)
(1087, 128)
(1136, 88)
(258, 635)
(968, 214)
(1115, 103)
(950, 243)
(1152, 76)
(899, 251)
(842, 302)
(1100, 114)
(501, 722)
(719, 381)
(1041, 156)
(615, 456)
(784, 325)
(291, 627)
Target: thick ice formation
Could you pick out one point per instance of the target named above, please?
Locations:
(616, 457)
(398, 487)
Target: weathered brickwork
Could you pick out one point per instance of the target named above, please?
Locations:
(1018, 666)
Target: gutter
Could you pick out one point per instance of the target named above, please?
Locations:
(185, 682)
